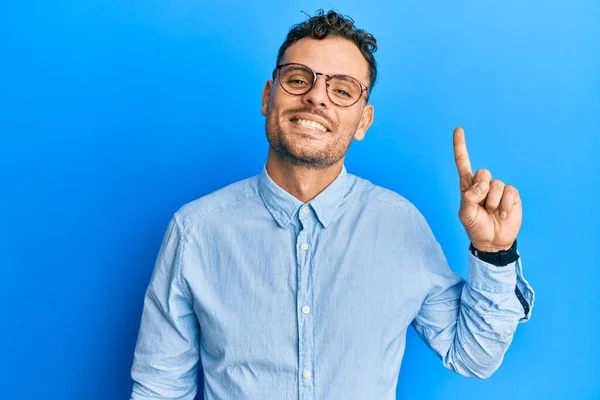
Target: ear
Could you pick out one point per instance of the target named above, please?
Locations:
(266, 95)
(366, 119)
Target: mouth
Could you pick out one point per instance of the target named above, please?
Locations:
(309, 124)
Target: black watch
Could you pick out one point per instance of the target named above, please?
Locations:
(498, 258)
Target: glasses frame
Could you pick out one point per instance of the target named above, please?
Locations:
(328, 78)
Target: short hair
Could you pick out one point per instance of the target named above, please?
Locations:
(333, 23)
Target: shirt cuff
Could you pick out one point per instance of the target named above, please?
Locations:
(494, 279)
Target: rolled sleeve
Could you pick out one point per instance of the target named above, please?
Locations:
(490, 278)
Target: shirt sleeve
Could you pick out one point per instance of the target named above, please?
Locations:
(468, 324)
(166, 354)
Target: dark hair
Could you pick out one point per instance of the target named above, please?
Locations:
(333, 23)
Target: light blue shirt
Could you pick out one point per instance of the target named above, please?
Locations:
(281, 299)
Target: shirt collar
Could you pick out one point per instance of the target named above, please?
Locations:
(283, 206)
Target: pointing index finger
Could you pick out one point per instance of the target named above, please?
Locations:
(461, 156)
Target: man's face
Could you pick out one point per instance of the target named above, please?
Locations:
(286, 114)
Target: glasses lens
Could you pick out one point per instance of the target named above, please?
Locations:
(296, 79)
(344, 91)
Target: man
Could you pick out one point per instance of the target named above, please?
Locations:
(300, 282)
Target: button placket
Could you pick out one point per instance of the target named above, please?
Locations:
(305, 322)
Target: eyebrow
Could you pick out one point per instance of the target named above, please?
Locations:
(334, 74)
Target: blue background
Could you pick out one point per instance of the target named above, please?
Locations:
(114, 114)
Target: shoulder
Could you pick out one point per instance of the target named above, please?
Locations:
(218, 202)
(374, 195)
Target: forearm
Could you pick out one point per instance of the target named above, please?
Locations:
(487, 319)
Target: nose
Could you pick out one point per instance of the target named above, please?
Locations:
(317, 95)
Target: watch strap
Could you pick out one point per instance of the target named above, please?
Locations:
(498, 258)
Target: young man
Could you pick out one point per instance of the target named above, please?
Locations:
(300, 282)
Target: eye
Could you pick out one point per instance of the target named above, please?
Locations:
(296, 81)
(342, 92)
(344, 88)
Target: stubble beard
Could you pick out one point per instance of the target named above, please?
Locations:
(299, 153)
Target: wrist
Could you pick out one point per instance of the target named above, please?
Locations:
(499, 258)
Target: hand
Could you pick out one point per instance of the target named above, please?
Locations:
(490, 211)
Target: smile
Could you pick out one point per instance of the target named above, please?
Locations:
(309, 124)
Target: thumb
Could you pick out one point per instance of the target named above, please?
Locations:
(472, 197)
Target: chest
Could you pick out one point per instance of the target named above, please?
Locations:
(254, 288)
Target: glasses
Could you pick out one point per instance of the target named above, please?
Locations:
(298, 79)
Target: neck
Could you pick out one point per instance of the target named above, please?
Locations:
(302, 182)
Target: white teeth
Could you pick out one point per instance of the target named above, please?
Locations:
(311, 124)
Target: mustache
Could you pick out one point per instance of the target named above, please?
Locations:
(314, 111)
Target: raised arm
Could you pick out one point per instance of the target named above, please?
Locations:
(471, 324)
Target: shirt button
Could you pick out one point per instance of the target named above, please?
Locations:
(305, 210)
(304, 246)
(307, 374)
(306, 309)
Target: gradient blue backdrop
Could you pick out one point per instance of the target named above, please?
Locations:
(113, 114)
